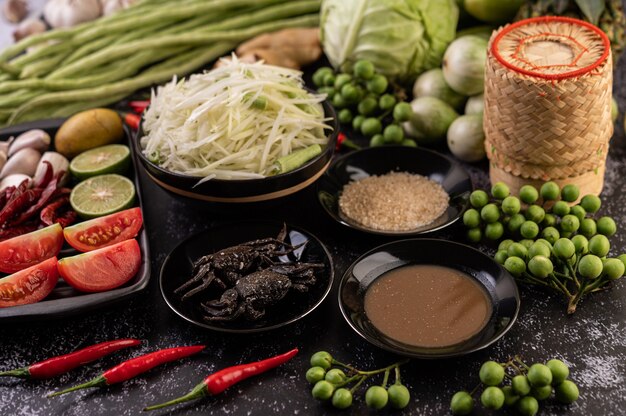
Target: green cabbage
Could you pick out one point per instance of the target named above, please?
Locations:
(402, 38)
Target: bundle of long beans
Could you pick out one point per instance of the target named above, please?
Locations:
(63, 71)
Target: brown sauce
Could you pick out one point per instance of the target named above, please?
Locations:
(427, 305)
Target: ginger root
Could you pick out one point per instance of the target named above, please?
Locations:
(290, 48)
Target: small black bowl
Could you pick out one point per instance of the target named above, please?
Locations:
(381, 160)
(244, 190)
(498, 283)
(176, 269)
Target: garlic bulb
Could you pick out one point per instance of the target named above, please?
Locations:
(111, 6)
(28, 27)
(68, 13)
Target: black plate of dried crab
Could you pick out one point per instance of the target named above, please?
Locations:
(249, 276)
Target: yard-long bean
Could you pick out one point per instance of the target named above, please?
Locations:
(99, 63)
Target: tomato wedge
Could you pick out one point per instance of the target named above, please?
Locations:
(102, 269)
(21, 252)
(104, 231)
(30, 285)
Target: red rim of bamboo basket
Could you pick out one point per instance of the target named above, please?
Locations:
(544, 19)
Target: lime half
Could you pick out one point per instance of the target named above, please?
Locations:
(102, 195)
(114, 158)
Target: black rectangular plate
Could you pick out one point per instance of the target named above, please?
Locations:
(64, 300)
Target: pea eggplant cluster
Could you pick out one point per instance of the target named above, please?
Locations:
(365, 100)
(556, 244)
(331, 379)
(517, 386)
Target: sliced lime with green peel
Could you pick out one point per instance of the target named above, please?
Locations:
(113, 158)
(102, 195)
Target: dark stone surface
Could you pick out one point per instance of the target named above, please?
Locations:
(592, 341)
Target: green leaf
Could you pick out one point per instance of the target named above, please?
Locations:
(592, 9)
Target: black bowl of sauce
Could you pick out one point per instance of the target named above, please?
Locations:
(428, 298)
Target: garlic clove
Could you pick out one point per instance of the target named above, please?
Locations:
(68, 13)
(24, 161)
(28, 27)
(15, 10)
(59, 163)
(14, 180)
(35, 139)
(3, 159)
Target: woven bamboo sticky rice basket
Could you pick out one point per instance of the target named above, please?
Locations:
(547, 116)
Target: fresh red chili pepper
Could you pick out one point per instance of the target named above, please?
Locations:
(132, 120)
(55, 366)
(223, 379)
(134, 367)
(139, 106)
(343, 141)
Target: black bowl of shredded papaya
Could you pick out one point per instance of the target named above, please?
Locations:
(396, 191)
(244, 190)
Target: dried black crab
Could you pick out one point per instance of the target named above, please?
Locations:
(256, 291)
(251, 276)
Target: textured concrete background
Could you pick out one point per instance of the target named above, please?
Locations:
(592, 341)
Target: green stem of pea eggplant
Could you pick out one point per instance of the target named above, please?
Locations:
(380, 370)
(398, 380)
(475, 389)
(595, 285)
(560, 285)
(386, 378)
(578, 257)
(563, 276)
(531, 279)
(520, 362)
(348, 380)
(357, 385)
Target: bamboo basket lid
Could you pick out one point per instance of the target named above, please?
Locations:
(551, 47)
(548, 84)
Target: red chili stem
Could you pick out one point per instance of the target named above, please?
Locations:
(135, 366)
(55, 366)
(216, 383)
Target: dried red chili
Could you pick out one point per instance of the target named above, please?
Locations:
(49, 214)
(216, 383)
(47, 176)
(46, 194)
(134, 367)
(55, 366)
(18, 203)
(26, 228)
